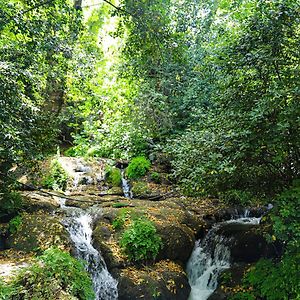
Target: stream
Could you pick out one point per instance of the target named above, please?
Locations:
(211, 256)
(79, 224)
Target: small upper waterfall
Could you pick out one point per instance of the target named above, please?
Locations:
(79, 225)
(211, 256)
(125, 186)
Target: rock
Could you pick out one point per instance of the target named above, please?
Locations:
(178, 242)
(248, 242)
(164, 280)
(37, 200)
(39, 231)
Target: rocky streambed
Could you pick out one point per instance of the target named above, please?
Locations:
(179, 221)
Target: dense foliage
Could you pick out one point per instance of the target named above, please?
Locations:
(35, 46)
(53, 274)
(212, 84)
(57, 178)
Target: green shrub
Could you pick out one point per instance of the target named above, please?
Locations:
(57, 178)
(238, 197)
(286, 217)
(138, 167)
(113, 176)
(274, 281)
(53, 272)
(5, 291)
(14, 224)
(11, 202)
(155, 177)
(140, 189)
(120, 220)
(140, 242)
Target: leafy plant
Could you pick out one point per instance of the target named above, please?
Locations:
(138, 167)
(273, 281)
(155, 177)
(57, 178)
(120, 220)
(140, 242)
(14, 224)
(52, 273)
(11, 202)
(286, 218)
(113, 176)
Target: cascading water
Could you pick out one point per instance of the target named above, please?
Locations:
(79, 225)
(211, 256)
(125, 185)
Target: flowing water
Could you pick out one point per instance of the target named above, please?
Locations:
(125, 185)
(210, 257)
(79, 225)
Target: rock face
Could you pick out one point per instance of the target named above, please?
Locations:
(248, 243)
(38, 231)
(163, 280)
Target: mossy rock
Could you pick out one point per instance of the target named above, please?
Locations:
(140, 189)
(178, 242)
(164, 280)
(39, 231)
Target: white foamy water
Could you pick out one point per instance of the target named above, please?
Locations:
(125, 185)
(210, 257)
(79, 226)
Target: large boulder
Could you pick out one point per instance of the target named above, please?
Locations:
(164, 280)
(178, 242)
(248, 242)
(39, 231)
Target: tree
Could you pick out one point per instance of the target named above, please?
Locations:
(35, 45)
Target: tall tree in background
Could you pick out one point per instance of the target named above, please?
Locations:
(35, 45)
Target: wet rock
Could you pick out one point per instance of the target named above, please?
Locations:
(164, 280)
(248, 242)
(178, 242)
(39, 231)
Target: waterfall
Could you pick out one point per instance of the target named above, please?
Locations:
(210, 257)
(125, 185)
(79, 225)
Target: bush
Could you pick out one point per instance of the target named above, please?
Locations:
(140, 242)
(138, 167)
(57, 178)
(53, 272)
(113, 176)
(14, 224)
(120, 220)
(155, 177)
(286, 218)
(271, 281)
(11, 203)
